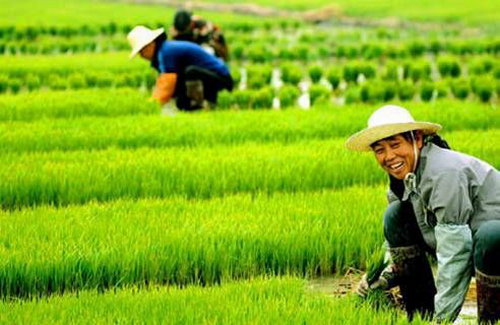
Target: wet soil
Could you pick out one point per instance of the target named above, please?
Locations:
(340, 286)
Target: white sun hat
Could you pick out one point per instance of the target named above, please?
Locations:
(387, 121)
(141, 36)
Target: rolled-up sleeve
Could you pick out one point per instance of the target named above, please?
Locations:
(451, 204)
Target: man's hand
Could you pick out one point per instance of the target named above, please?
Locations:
(364, 288)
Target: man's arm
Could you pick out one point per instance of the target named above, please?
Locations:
(451, 204)
(165, 87)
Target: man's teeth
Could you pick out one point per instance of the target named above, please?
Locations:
(396, 166)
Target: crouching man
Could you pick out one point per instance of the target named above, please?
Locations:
(441, 202)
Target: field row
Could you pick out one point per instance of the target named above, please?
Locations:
(259, 301)
(62, 178)
(80, 120)
(181, 241)
(284, 48)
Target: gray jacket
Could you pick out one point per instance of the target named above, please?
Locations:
(452, 195)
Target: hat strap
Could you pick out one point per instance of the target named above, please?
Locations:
(415, 152)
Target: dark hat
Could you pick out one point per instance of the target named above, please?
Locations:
(182, 20)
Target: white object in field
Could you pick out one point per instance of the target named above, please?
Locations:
(169, 109)
(208, 48)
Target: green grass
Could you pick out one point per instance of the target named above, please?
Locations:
(64, 64)
(259, 301)
(67, 105)
(72, 12)
(81, 120)
(62, 178)
(94, 12)
(468, 11)
(181, 241)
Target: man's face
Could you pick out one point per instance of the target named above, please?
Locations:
(395, 154)
(148, 51)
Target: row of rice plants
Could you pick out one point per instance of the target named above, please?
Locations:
(258, 301)
(257, 51)
(180, 241)
(64, 65)
(83, 129)
(62, 178)
(74, 104)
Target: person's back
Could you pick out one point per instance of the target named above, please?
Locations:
(175, 56)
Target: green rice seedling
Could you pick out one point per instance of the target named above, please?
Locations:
(315, 73)
(4, 83)
(258, 76)
(416, 48)
(15, 85)
(56, 82)
(74, 103)
(291, 73)
(389, 90)
(375, 265)
(352, 95)
(62, 178)
(460, 88)
(372, 92)
(182, 241)
(483, 87)
(350, 73)
(391, 72)
(77, 81)
(333, 75)
(243, 98)
(28, 127)
(263, 98)
(33, 82)
(225, 100)
(319, 94)
(448, 67)
(427, 91)
(288, 96)
(261, 301)
(406, 91)
(442, 89)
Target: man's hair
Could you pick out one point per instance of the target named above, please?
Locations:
(182, 20)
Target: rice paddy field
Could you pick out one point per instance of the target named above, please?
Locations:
(113, 213)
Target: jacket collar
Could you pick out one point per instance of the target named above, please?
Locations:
(412, 180)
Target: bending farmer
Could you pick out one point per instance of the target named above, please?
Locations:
(187, 72)
(442, 202)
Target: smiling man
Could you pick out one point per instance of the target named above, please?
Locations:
(441, 202)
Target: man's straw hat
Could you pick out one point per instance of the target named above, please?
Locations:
(387, 121)
(141, 36)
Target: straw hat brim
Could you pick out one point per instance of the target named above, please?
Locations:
(362, 140)
(139, 46)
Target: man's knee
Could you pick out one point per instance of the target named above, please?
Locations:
(487, 248)
(392, 218)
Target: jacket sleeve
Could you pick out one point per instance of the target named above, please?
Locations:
(165, 87)
(452, 207)
(454, 255)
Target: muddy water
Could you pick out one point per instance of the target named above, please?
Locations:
(339, 286)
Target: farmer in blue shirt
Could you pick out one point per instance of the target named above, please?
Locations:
(187, 71)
